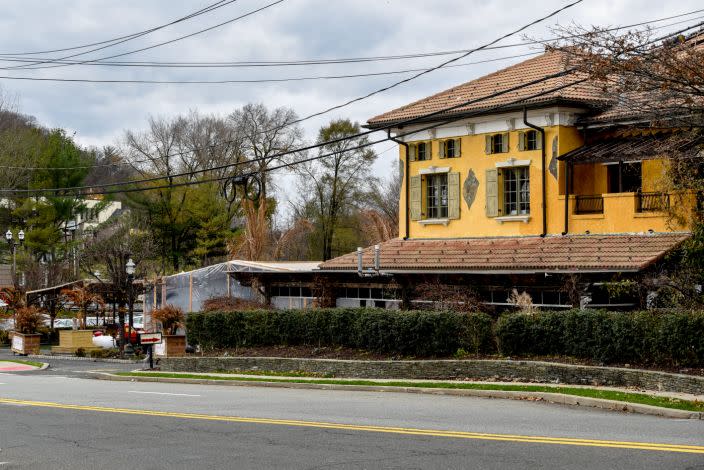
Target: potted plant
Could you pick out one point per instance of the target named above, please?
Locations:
(70, 341)
(25, 339)
(171, 319)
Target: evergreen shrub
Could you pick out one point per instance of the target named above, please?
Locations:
(671, 339)
(405, 333)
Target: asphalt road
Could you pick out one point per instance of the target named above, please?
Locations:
(55, 420)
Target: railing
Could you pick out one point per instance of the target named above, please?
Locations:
(652, 202)
(593, 204)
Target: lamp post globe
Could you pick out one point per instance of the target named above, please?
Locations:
(20, 236)
(129, 267)
(8, 236)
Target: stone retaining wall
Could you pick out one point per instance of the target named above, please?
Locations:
(497, 370)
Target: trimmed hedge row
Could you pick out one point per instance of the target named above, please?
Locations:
(642, 338)
(407, 333)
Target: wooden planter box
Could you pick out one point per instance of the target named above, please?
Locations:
(25, 344)
(71, 341)
(171, 346)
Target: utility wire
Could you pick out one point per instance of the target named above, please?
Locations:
(323, 144)
(202, 11)
(153, 46)
(73, 192)
(254, 80)
(207, 9)
(76, 189)
(522, 28)
(308, 62)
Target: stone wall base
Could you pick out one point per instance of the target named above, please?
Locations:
(492, 370)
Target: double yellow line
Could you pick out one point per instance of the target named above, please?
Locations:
(377, 429)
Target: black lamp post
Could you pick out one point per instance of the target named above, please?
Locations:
(13, 246)
(129, 269)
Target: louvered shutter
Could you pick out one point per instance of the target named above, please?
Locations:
(458, 148)
(522, 141)
(538, 141)
(415, 197)
(428, 150)
(504, 142)
(441, 149)
(412, 152)
(487, 144)
(492, 192)
(453, 195)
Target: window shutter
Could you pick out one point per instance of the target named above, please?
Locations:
(487, 145)
(412, 152)
(453, 195)
(504, 142)
(492, 192)
(538, 140)
(458, 148)
(521, 141)
(415, 202)
(429, 150)
(441, 149)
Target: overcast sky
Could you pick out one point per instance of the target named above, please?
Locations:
(292, 30)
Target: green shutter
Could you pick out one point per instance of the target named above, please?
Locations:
(487, 144)
(453, 195)
(504, 142)
(415, 197)
(538, 140)
(458, 147)
(429, 150)
(412, 152)
(522, 141)
(492, 192)
(441, 149)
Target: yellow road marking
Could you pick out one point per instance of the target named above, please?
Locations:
(379, 429)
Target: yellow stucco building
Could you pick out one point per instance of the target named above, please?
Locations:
(523, 174)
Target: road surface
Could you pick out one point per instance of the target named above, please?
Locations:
(50, 420)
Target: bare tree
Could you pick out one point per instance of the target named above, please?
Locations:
(335, 183)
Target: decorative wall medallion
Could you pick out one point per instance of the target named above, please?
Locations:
(469, 188)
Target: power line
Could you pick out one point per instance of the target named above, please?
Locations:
(207, 9)
(444, 64)
(314, 146)
(308, 62)
(153, 46)
(122, 40)
(252, 81)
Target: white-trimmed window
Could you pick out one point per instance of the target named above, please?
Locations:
(420, 151)
(516, 190)
(496, 143)
(436, 196)
(450, 148)
(529, 140)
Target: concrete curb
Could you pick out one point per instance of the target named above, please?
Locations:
(557, 398)
(74, 358)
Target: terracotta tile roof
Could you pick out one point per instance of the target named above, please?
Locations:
(586, 253)
(515, 75)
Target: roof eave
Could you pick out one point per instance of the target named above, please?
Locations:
(399, 123)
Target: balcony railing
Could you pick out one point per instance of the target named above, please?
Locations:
(593, 204)
(652, 202)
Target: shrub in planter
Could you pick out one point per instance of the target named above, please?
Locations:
(28, 320)
(170, 317)
(26, 339)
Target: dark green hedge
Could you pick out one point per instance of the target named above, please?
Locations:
(643, 338)
(412, 333)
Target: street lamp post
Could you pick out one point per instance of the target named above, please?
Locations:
(9, 236)
(129, 269)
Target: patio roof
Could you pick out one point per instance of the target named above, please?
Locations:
(519, 255)
(646, 145)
